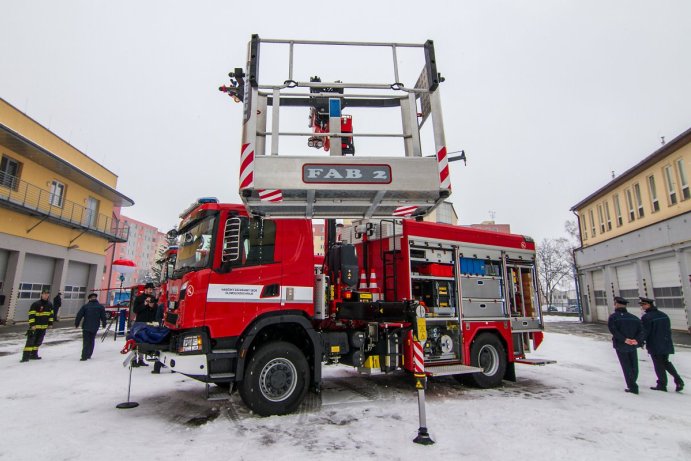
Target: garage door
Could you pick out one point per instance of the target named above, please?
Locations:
(74, 292)
(667, 290)
(36, 276)
(601, 309)
(627, 276)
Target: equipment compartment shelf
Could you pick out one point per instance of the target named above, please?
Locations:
(430, 277)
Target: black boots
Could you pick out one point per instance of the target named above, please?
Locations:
(680, 386)
(26, 356)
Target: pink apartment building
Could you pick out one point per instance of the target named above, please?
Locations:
(142, 247)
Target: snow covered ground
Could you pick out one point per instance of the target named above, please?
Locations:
(60, 408)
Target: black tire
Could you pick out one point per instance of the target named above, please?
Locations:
(487, 352)
(276, 379)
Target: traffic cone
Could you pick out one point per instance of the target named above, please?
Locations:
(373, 287)
(363, 282)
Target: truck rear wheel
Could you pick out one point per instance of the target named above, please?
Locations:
(275, 380)
(487, 352)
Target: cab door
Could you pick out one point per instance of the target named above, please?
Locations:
(246, 282)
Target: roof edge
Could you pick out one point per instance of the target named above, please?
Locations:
(672, 146)
(126, 201)
(57, 136)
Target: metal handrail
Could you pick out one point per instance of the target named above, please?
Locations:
(24, 195)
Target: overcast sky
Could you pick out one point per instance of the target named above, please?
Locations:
(547, 98)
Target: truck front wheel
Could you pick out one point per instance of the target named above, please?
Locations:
(487, 352)
(276, 378)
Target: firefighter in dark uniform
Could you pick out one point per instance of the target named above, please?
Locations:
(658, 341)
(145, 312)
(40, 318)
(94, 315)
(139, 304)
(627, 337)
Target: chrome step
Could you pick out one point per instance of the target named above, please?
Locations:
(219, 354)
(447, 370)
(222, 376)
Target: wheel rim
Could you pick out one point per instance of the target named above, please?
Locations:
(277, 380)
(488, 360)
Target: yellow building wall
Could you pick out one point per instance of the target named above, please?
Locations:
(667, 210)
(17, 224)
(30, 129)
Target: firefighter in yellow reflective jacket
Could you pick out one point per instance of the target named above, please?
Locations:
(40, 318)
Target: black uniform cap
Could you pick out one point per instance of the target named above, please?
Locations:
(646, 300)
(620, 300)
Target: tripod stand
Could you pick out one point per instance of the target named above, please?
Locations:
(110, 324)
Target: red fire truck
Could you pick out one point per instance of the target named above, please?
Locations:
(247, 309)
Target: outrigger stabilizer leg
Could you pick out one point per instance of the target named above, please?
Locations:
(423, 437)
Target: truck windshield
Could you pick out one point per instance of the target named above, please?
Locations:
(194, 246)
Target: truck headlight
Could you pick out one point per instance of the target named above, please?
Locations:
(191, 344)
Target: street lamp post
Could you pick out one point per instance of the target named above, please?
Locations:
(124, 266)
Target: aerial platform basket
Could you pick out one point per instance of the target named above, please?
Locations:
(341, 183)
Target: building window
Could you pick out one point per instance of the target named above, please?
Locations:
(617, 210)
(669, 297)
(91, 212)
(584, 228)
(630, 295)
(9, 172)
(31, 290)
(683, 180)
(73, 292)
(629, 205)
(600, 297)
(608, 217)
(639, 199)
(654, 202)
(671, 188)
(592, 222)
(600, 219)
(57, 193)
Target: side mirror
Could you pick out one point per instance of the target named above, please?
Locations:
(225, 268)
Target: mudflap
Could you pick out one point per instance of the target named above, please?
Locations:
(510, 374)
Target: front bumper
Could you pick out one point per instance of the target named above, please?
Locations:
(189, 364)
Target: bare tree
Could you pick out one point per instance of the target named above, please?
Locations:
(155, 272)
(554, 263)
(571, 229)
